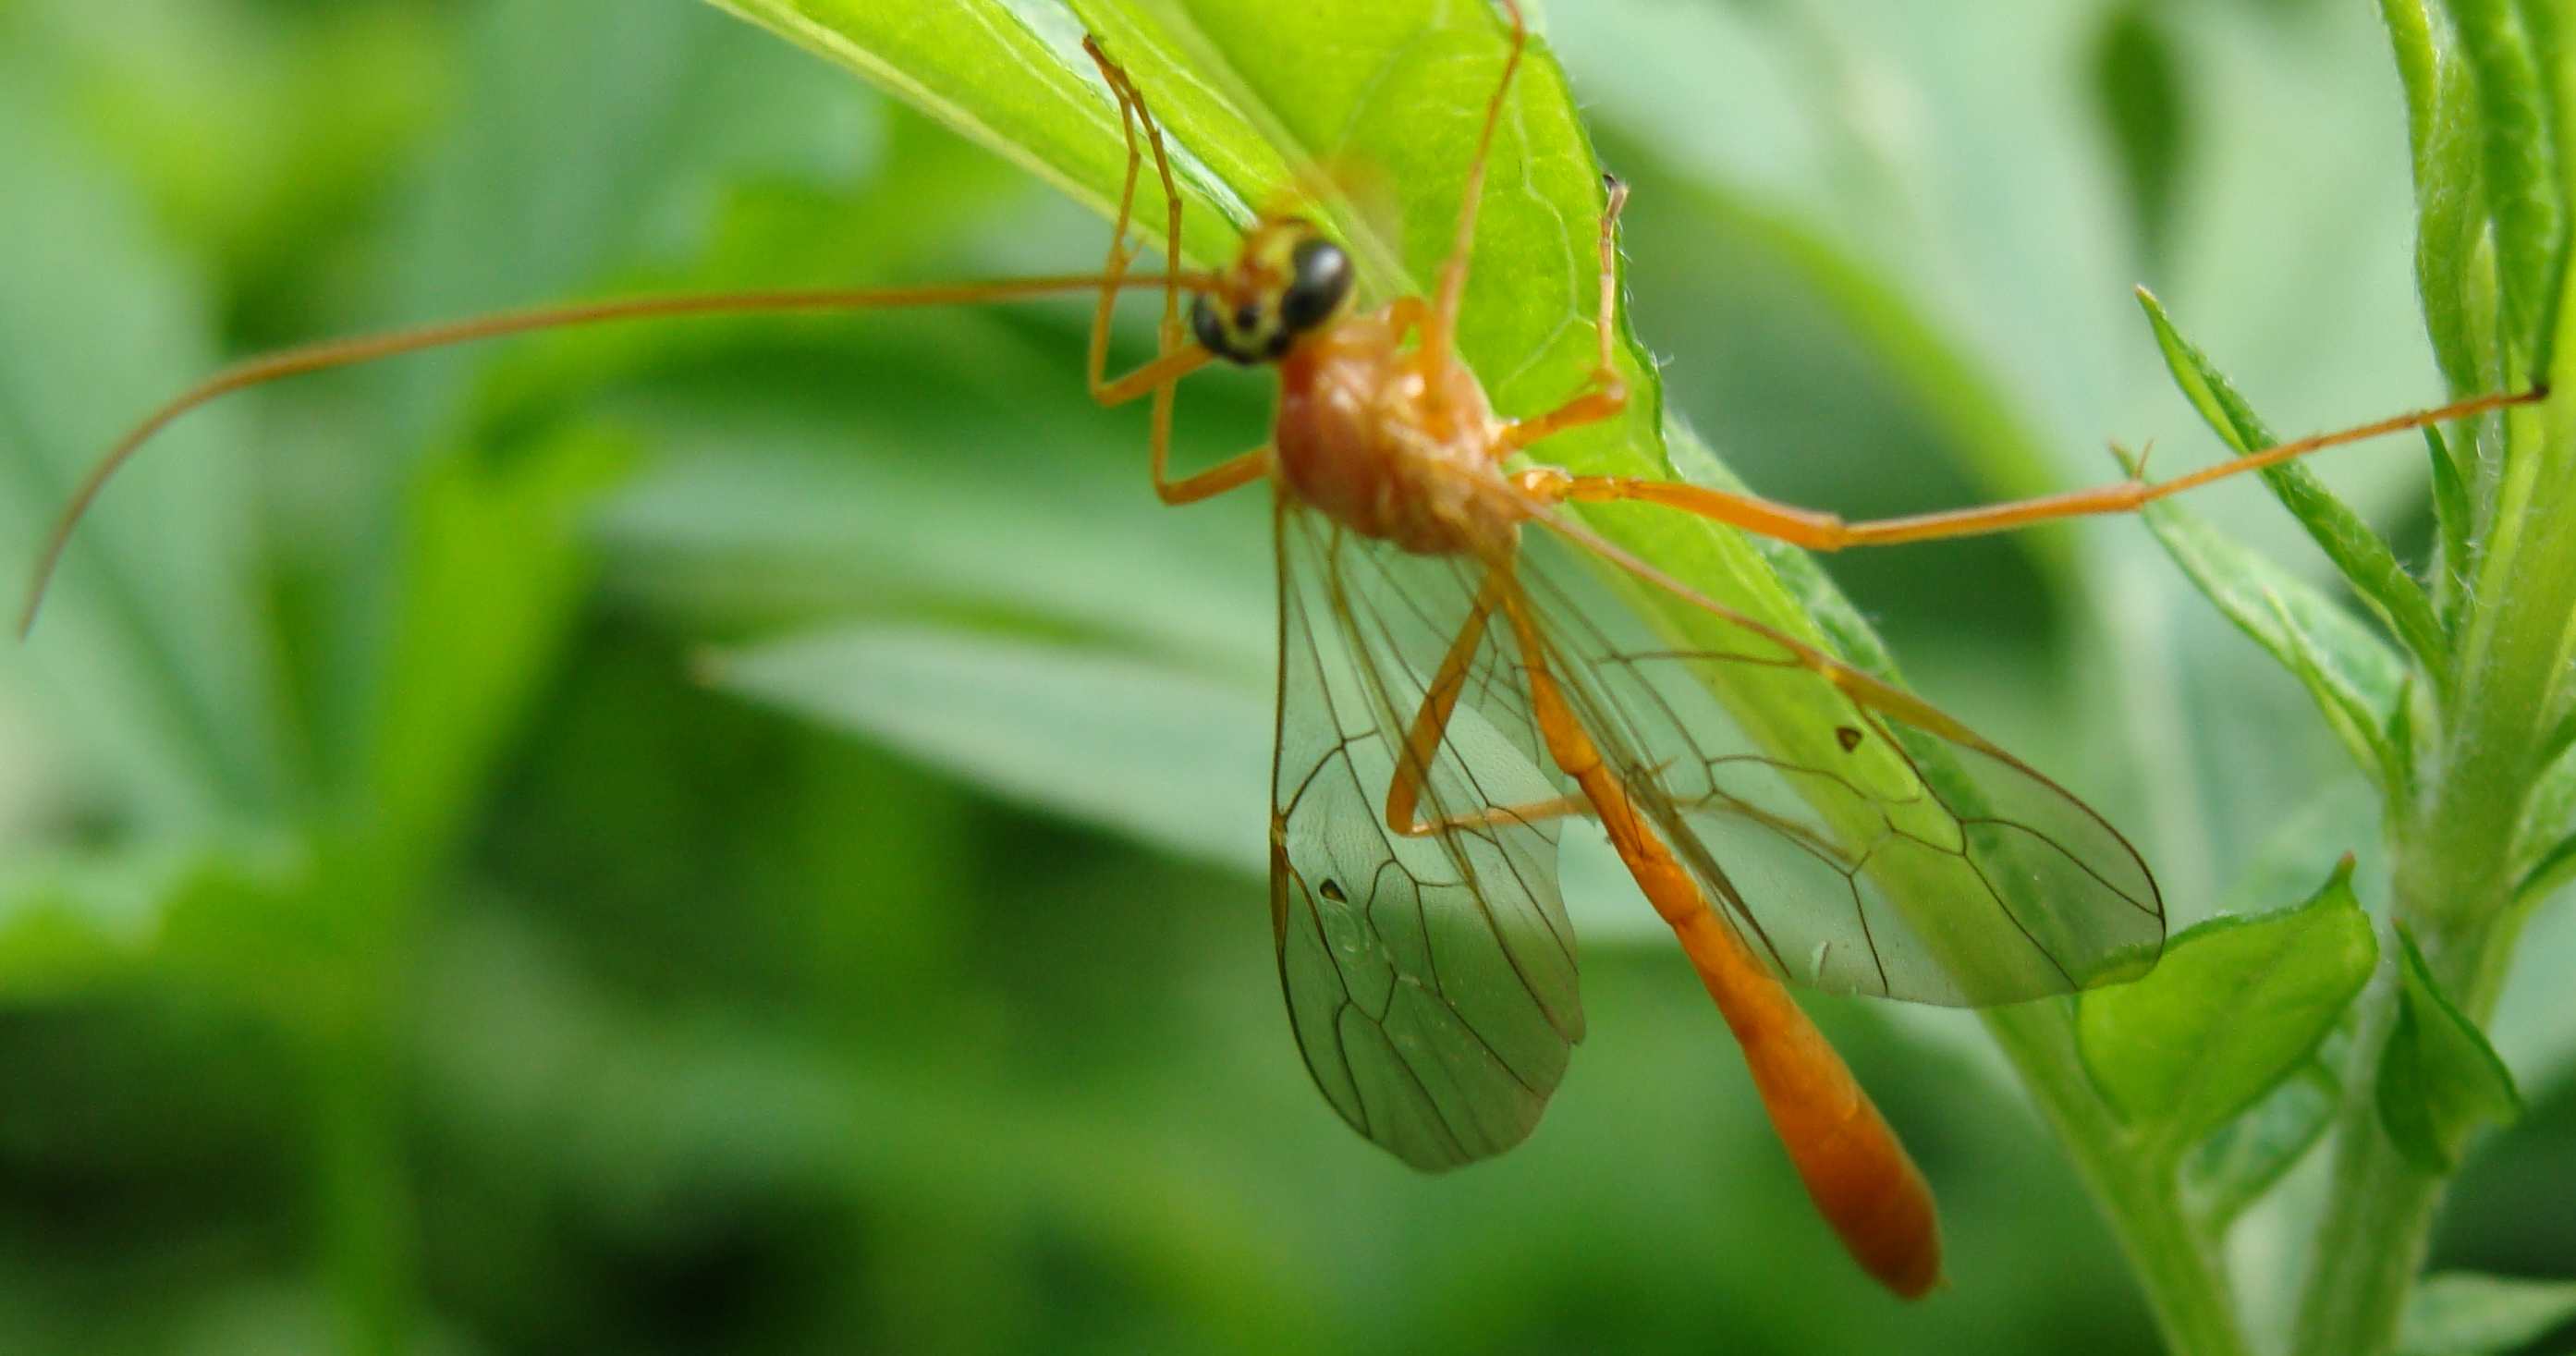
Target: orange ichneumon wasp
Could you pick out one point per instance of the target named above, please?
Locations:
(1455, 681)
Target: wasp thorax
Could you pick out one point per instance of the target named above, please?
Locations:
(1287, 282)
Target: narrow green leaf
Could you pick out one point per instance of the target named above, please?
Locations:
(492, 553)
(69, 923)
(2359, 553)
(753, 514)
(2562, 739)
(2547, 23)
(2236, 1005)
(243, 916)
(2519, 169)
(2548, 872)
(2457, 1312)
(2397, 740)
(2454, 253)
(2454, 521)
(2410, 40)
(2138, 90)
(2242, 1159)
(2353, 676)
(2439, 1080)
(1002, 73)
(1156, 752)
(1959, 391)
(2547, 837)
(2361, 726)
(154, 665)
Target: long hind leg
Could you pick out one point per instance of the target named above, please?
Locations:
(1608, 393)
(1819, 531)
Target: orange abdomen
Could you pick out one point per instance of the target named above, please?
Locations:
(1856, 1170)
(1858, 1174)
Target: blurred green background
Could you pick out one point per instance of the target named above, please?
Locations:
(405, 940)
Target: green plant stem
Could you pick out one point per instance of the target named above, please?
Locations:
(2181, 1277)
(352, 1030)
(2454, 891)
(362, 1197)
(2380, 1207)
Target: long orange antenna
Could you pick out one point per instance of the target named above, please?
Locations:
(296, 362)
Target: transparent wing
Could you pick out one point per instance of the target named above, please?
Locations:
(1827, 846)
(1430, 979)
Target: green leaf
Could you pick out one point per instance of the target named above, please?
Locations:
(2454, 521)
(481, 226)
(68, 923)
(1392, 94)
(2369, 732)
(1400, 89)
(1960, 392)
(2410, 39)
(1007, 73)
(1156, 752)
(1398, 108)
(2397, 737)
(2457, 1312)
(237, 916)
(152, 659)
(2439, 1080)
(2454, 253)
(2519, 169)
(2234, 1007)
(2138, 89)
(492, 554)
(2548, 872)
(2244, 1158)
(2548, 25)
(1386, 96)
(2359, 553)
(2356, 680)
(755, 513)
(2547, 837)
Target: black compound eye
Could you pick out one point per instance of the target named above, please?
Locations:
(1237, 336)
(1205, 325)
(1207, 322)
(1319, 277)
